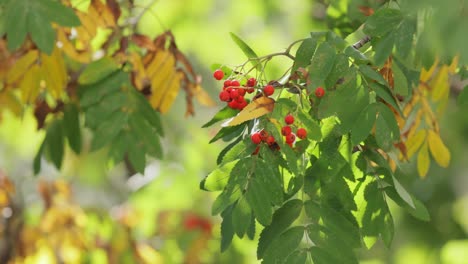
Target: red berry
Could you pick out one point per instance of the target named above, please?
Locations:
(191, 222)
(290, 138)
(218, 74)
(243, 105)
(289, 119)
(251, 82)
(240, 99)
(241, 91)
(264, 134)
(224, 96)
(256, 138)
(234, 93)
(233, 104)
(250, 90)
(235, 83)
(301, 133)
(270, 140)
(286, 130)
(227, 83)
(319, 92)
(269, 90)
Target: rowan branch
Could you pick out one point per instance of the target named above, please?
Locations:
(362, 42)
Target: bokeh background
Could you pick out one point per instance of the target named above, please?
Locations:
(163, 216)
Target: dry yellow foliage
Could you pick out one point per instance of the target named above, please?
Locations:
(163, 72)
(433, 89)
(257, 108)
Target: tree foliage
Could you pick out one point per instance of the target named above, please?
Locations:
(318, 196)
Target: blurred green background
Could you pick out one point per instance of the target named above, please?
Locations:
(160, 203)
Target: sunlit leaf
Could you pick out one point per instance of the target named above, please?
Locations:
(286, 243)
(257, 108)
(282, 219)
(439, 151)
(363, 125)
(247, 50)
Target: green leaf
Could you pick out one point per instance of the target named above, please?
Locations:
(385, 93)
(268, 175)
(237, 149)
(401, 83)
(339, 70)
(222, 114)
(59, 13)
(145, 109)
(463, 97)
(386, 130)
(119, 147)
(383, 49)
(217, 179)
(248, 51)
(98, 70)
(355, 54)
(282, 247)
(37, 158)
(71, 127)
(259, 200)
(42, 33)
(322, 64)
(16, 17)
(227, 231)
(404, 36)
(228, 131)
(402, 192)
(94, 93)
(372, 74)
(145, 135)
(54, 142)
(251, 229)
(419, 211)
(136, 156)
(282, 219)
(321, 256)
(304, 53)
(297, 257)
(108, 130)
(241, 216)
(376, 218)
(363, 125)
(382, 22)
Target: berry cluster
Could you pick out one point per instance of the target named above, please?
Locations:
(287, 131)
(233, 92)
(263, 136)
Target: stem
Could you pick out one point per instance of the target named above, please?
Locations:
(362, 42)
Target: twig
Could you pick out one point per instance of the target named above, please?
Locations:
(362, 42)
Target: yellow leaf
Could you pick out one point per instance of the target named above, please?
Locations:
(29, 85)
(202, 96)
(439, 151)
(414, 143)
(167, 92)
(454, 64)
(53, 69)
(440, 84)
(148, 255)
(423, 161)
(21, 66)
(138, 70)
(426, 75)
(9, 101)
(257, 108)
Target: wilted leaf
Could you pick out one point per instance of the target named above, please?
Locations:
(439, 151)
(257, 108)
(423, 160)
(414, 142)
